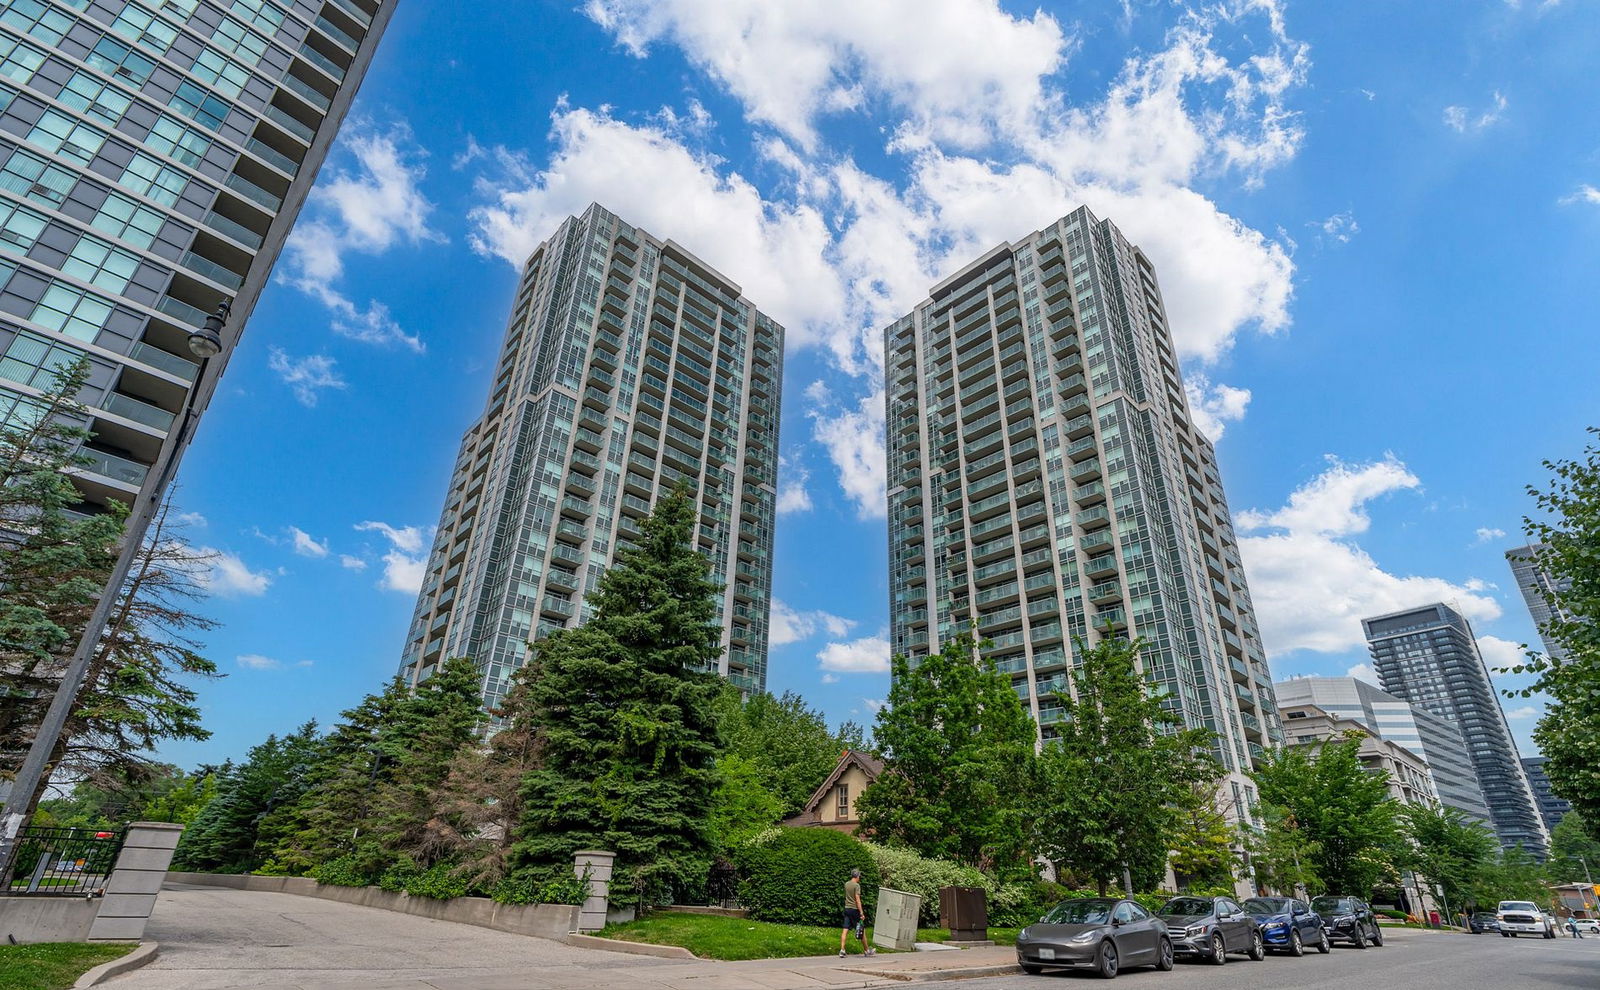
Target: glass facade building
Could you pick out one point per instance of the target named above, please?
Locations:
(1551, 807)
(153, 158)
(629, 367)
(1047, 483)
(1428, 657)
(1537, 589)
(1436, 740)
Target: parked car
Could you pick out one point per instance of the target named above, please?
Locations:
(1103, 934)
(1348, 919)
(1482, 921)
(1524, 918)
(1288, 924)
(1211, 927)
(1586, 926)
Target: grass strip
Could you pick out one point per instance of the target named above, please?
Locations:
(712, 936)
(52, 965)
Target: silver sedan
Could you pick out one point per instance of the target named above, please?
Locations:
(1102, 934)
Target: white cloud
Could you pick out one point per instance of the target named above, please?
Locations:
(352, 563)
(792, 493)
(305, 376)
(366, 211)
(1500, 655)
(1486, 534)
(1526, 711)
(874, 705)
(227, 575)
(830, 678)
(1585, 193)
(306, 545)
(962, 69)
(790, 626)
(1461, 120)
(1214, 406)
(255, 661)
(406, 562)
(1312, 585)
(854, 441)
(1363, 672)
(1340, 227)
(869, 655)
(190, 519)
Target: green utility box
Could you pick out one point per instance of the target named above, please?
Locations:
(896, 924)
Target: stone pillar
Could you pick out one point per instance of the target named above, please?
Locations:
(592, 915)
(135, 882)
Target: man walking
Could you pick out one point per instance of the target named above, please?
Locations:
(854, 916)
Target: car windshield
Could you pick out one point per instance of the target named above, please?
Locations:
(1187, 905)
(1519, 906)
(1266, 905)
(1081, 913)
(1332, 905)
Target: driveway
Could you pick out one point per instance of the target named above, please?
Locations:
(213, 938)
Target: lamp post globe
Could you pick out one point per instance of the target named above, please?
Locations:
(206, 342)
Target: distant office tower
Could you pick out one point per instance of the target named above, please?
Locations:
(1537, 588)
(629, 367)
(1551, 808)
(155, 156)
(1046, 481)
(1428, 657)
(1435, 740)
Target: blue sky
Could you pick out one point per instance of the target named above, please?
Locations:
(1376, 232)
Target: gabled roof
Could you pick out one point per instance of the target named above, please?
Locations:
(869, 764)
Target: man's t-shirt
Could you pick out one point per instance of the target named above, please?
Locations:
(852, 890)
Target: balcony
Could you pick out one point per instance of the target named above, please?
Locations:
(310, 94)
(162, 360)
(233, 230)
(254, 193)
(129, 408)
(107, 465)
(272, 156)
(206, 268)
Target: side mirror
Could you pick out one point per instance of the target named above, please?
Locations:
(1116, 922)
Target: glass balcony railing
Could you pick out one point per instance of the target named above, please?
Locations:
(306, 92)
(161, 360)
(182, 311)
(249, 190)
(114, 467)
(233, 229)
(272, 156)
(128, 407)
(355, 13)
(322, 62)
(328, 28)
(300, 130)
(211, 270)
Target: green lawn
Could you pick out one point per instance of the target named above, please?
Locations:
(52, 965)
(711, 936)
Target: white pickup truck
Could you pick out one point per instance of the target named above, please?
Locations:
(1523, 918)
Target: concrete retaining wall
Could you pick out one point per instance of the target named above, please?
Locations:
(541, 920)
(46, 919)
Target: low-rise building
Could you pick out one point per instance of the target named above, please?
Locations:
(833, 804)
(1409, 780)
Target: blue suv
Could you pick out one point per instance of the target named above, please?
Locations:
(1288, 925)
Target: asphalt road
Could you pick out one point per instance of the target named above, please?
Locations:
(1408, 961)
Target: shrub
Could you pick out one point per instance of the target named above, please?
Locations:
(797, 876)
(440, 882)
(534, 887)
(395, 878)
(903, 869)
(1013, 905)
(341, 872)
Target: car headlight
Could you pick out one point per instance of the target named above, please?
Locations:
(1023, 935)
(1088, 936)
(1194, 930)
(1273, 926)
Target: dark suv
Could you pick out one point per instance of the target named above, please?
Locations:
(1483, 921)
(1288, 924)
(1348, 919)
(1211, 927)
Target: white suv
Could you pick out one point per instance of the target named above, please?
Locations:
(1523, 918)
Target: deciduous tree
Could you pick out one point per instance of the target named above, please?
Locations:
(1446, 850)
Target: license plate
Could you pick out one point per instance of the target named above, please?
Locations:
(1047, 954)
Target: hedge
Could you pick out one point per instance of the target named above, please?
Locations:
(796, 875)
(902, 869)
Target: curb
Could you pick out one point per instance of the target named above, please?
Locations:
(940, 975)
(632, 948)
(116, 967)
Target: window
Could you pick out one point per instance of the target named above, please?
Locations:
(101, 263)
(215, 68)
(180, 143)
(126, 220)
(145, 28)
(71, 311)
(18, 410)
(148, 177)
(18, 59)
(194, 102)
(66, 137)
(116, 59)
(26, 174)
(94, 98)
(34, 360)
(184, 7)
(1123, 913)
(267, 17)
(20, 227)
(842, 792)
(240, 40)
(37, 19)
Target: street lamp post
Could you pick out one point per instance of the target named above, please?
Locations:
(205, 343)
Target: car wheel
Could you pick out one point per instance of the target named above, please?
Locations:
(1324, 944)
(1164, 956)
(1505, 934)
(1258, 948)
(1105, 962)
(1219, 952)
(1296, 946)
(1359, 938)
(1377, 935)
(1032, 970)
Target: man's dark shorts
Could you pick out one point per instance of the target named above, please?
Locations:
(852, 918)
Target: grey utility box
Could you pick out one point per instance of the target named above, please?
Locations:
(896, 924)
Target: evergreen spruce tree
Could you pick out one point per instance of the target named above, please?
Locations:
(627, 716)
(958, 761)
(226, 835)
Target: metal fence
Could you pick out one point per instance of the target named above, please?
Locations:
(64, 862)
